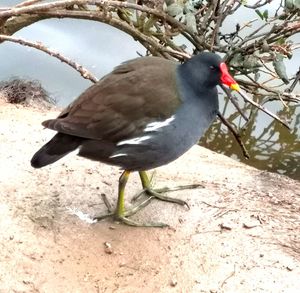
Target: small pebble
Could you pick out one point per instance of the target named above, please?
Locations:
(108, 248)
(173, 282)
(224, 226)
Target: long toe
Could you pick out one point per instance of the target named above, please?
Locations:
(158, 195)
(127, 221)
(123, 217)
(130, 222)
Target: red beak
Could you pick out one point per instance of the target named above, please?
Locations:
(227, 79)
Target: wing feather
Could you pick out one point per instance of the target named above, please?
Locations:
(123, 102)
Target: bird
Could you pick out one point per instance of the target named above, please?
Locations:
(144, 114)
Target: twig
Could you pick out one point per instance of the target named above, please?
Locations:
(217, 11)
(107, 203)
(39, 46)
(106, 3)
(225, 89)
(296, 80)
(27, 3)
(230, 276)
(263, 109)
(257, 4)
(235, 134)
(289, 96)
(220, 214)
(151, 44)
(213, 206)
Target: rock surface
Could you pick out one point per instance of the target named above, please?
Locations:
(241, 234)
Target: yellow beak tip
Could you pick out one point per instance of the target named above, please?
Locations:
(235, 87)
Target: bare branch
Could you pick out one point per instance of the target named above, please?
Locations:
(235, 134)
(27, 3)
(235, 104)
(39, 46)
(106, 3)
(264, 109)
(297, 79)
(257, 4)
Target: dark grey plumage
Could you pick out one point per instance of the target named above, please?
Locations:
(144, 114)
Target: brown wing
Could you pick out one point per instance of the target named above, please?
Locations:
(123, 102)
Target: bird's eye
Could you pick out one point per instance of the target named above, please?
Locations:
(212, 68)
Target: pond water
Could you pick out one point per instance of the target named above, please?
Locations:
(271, 146)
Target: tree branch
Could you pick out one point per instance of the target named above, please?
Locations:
(27, 3)
(39, 46)
(235, 134)
(107, 3)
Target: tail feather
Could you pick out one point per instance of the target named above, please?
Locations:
(59, 146)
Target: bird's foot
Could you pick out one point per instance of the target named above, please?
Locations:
(158, 194)
(123, 216)
(130, 222)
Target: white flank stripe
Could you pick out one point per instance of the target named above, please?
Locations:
(117, 155)
(153, 126)
(136, 140)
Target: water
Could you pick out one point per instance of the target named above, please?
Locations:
(270, 145)
(96, 46)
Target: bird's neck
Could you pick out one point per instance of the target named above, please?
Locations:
(192, 81)
(191, 77)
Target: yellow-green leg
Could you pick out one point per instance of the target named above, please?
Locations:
(157, 193)
(120, 210)
(120, 213)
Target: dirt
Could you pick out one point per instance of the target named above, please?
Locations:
(241, 233)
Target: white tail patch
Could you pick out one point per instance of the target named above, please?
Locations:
(136, 140)
(154, 126)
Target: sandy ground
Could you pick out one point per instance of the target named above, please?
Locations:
(241, 234)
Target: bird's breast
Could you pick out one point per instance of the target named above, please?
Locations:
(161, 142)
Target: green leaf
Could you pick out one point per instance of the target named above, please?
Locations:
(188, 7)
(169, 2)
(237, 60)
(259, 14)
(292, 4)
(281, 41)
(251, 62)
(175, 10)
(190, 20)
(280, 68)
(266, 14)
(265, 46)
(256, 76)
(297, 4)
(289, 4)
